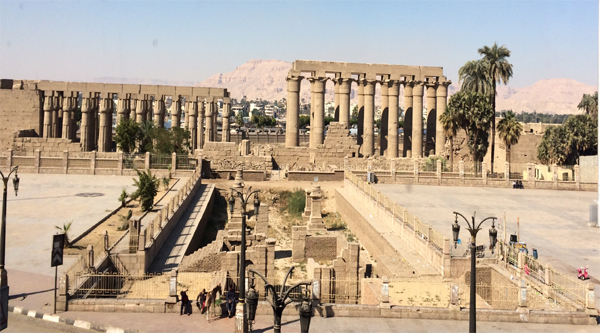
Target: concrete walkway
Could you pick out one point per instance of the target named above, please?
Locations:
(393, 238)
(174, 248)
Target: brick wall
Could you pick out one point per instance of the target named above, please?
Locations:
(321, 248)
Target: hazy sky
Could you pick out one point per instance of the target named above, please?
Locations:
(192, 40)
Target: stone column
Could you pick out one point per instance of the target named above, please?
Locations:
(93, 124)
(226, 114)
(103, 124)
(73, 127)
(344, 93)
(200, 133)
(121, 110)
(393, 93)
(293, 104)
(191, 111)
(317, 89)
(208, 113)
(336, 98)
(66, 123)
(361, 112)
(385, 113)
(85, 129)
(149, 107)
(109, 123)
(441, 98)
(176, 113)
(369, 120)
(57, 117)
(431, 119)
(54, 117)
(215, 106)
(417, 120)
(48, 107)
(408, 103)
(157, 112)
(140, 110)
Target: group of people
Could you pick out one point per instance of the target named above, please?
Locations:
(518, 184)
(207, 302)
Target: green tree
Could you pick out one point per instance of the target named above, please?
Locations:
(146, 189)
(168, 141)
(239, 119)
(147, 128)
(450, 122)
(128, 134)
(563, 144)
(303, 121)
(473, 112)
(509, 130)
(123, 198)
(328, 120)
(354, 114)
(482, 76)
(589, 103)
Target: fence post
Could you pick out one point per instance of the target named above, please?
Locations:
(37, 156)
(547, 275)
(484, 172)
(93, 163)
(63, 296)
(147, 161)
(520, 262)
(522, 298)
(507, 173)
(577, 176)
(385, 294)
(590, 301)
(90, 253)
(393, 164)
(439, 171)
(555, 176)
(106, 243)
(446, 261)
(9, 159)
(120, 163)
(461, 170)
(416, 169)
(65, 161)
(174, 162)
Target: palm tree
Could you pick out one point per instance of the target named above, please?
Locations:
(66, 227)
(500, 70)
(474, 77)
(509, 129)
(589, 103)
(450, 122)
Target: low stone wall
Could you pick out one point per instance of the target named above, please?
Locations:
(321, 248)
(249, 175)
(344, 310)
(324, 176)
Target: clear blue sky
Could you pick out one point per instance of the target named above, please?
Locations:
(192, 40)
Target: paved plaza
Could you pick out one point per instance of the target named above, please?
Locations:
(552, 221)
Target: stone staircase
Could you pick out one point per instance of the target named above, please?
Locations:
(206, 259)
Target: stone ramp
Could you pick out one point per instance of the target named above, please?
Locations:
(410, 256)
(174, 249)
(207, 256)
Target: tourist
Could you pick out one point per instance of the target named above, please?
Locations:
(185, 302)
(201, 300)
(230, 301)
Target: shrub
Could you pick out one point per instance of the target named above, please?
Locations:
(123, 198)
(66, 227)
(166, 182)
(147, 188)
(125, 220)
(297, 202)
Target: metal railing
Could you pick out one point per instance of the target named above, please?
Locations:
(186, 162)
(114, 285)
(569, 287)
(340, 291)
(437, 239)
(160, 161)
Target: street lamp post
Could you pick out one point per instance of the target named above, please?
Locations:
(3, 273)
(243, 325)
(473, 230)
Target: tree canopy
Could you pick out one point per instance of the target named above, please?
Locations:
(509, 130)
(589, 104)
(128, 134)
(563, 144)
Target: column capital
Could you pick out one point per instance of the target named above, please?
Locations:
(312, 79)
(85, 105)
(68, 106)
(103, 105)
(48, 103)
(56, 101)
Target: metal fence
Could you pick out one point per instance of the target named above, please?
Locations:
(160, 161)
(114, 285)
(134, 161)
(567, 286)
(186, 162)
(340, 291)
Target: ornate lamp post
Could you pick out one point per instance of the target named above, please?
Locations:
(241, 319)
(279, 301)
(473, 230)
(3, 273)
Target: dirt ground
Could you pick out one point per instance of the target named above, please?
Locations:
(112, 225)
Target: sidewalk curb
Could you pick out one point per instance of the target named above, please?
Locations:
(77, 323)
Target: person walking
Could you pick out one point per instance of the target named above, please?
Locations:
(201, 300)
(230, 302)
(185, 301)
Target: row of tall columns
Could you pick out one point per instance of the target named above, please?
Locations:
(414, 91)
(58, 118)
(436, 98)
(225, 133)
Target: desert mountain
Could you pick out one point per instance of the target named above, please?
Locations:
(265, 79)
